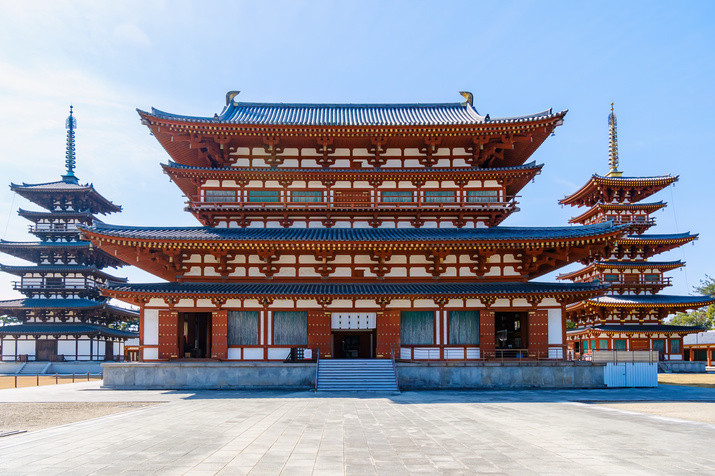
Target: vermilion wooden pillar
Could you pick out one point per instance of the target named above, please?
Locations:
(388, 333)
(168, 335)
(487, 334)
(319, 328)
(219, 335)
(538, 332)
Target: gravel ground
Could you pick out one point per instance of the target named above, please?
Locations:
(694, 411)
(37, 415)
(692, 380)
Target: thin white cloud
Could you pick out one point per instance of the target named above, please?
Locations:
(132, 34)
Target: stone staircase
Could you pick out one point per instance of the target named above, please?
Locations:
(34, 368)
(356, 375)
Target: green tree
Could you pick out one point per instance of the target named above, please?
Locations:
(705, 316)
(5, 320)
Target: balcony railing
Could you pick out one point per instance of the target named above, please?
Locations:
(53, 228)
(45, 286)
(634, 221)
(345, 202)
(641, 281)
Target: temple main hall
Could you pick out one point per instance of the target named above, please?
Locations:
(352, 231)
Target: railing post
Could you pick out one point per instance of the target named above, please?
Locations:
(38, 379)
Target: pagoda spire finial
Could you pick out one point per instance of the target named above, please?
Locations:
(70, 157)
(613, 145)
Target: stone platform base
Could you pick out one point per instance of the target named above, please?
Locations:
(500, 375)
(209, 375)
(411, 376)
(682, 367)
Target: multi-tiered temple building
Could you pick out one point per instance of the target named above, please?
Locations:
(63, 316)
(357, 230)
(631, 315)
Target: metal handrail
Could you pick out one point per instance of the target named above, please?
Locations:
(394, 366)
(317, 366)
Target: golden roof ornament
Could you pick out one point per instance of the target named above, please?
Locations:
(613, 145)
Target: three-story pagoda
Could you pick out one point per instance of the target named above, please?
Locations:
(631, 315)
(359, 230)
(63, 316)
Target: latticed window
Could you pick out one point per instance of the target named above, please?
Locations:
(619, 344)
(439, 196)
(610, 278)
(243, 327)
(674, 346)
(603, 344)
(263, 196)
(397, 196)
(290, 328)
(417, 327)
(482, 196)
(652, 278)
(464, 327)
(306, 196)
(219, 195)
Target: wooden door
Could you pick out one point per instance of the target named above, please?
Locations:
(46, 349)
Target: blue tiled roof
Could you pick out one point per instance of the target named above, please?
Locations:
(358, 289)
(656, 299)
(329, 171)
(45, 244)
(74, 304)
(639, 264)
(646, 328)
(672, 236)
(420, 114)
(357, 234)
(65, 329)
(45, 268)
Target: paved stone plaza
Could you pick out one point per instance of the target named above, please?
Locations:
(509, 432)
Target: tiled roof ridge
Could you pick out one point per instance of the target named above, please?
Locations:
(377, 114)
(357, 234)
(526, 166)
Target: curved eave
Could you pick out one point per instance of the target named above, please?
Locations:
(634, 329)
(659, 265)
(665, 240)
(369, 116)
(408, 291)
(182, 175)
(121, 236)
(77, 269)
(590, 193)
(657, 301)
(34, 194)
(603, 207)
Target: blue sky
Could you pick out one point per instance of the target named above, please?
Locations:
(653, 59)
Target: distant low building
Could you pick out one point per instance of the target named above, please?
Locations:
(700, 347)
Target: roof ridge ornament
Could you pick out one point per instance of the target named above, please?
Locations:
(468, 96)
(613, 145)
(70, 155)
(230, 96)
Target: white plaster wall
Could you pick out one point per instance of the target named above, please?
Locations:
(151, 327)
(26, 347)
(8, 348)
(83, 350)
(556, 328)
(66, 348)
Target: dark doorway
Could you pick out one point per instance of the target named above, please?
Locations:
(108, 350)
(46, 349)
(354, 344)
(511, 334)
(195, 335)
